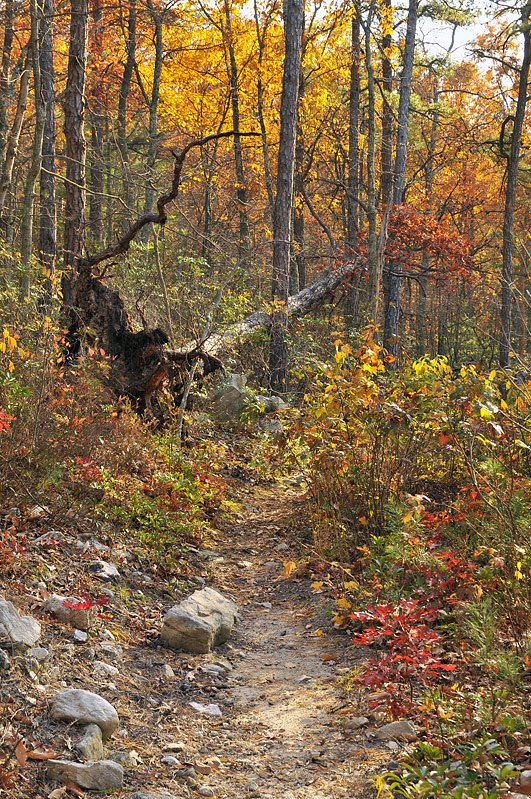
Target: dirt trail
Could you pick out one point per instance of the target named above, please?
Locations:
(281, 736)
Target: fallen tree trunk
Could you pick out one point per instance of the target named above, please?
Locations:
(140, 361)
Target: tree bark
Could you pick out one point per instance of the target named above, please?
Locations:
(130, 49)
(260, 38)
(510, 193)
(75, 150)
(5, 76)
(97, 128)
(47, 217)
(293, 28)
(394, 282)
(14, 135)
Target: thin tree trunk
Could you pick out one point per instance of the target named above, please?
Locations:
(130, 49)
(5, 79)
(26, 227)
(241, 190)
(293, 28)
(510, 193)
(14, 136)
(298, 262)
(372, 242)
(75, 149)
(394, 282)
(260, 38)
(48, 213)
(153, 110)
(97, 124)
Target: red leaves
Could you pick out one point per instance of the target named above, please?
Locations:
(86, 603)
(5, 418)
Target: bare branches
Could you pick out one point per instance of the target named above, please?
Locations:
(160, 216)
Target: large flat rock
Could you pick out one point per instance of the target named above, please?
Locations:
(101, 776)
(20, 631)
(203, 620)
(84, 707)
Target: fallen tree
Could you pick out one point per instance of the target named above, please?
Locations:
(141, 361)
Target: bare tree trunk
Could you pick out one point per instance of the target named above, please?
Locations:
(5, 76)
(241, 190)
(97, 127)
(47, 217)
(293, 28)
(298, 262)
(130, 49)
(386, 153)
(394, 283)
(260, 38)
(371, 160)
(510, 193)
(26, 227)
(75, 149)
(153, 109)
(13, 138)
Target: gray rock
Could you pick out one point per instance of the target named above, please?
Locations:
(170, 760)
(356, 723)
(149, 795)
(204, 790)
(525, 781)
(168, 673)
(202, 621)
(5, 663)
(272, 404)
(104, 570)
(128, 758)
(76, 617)
(112, 651)
(176, 746)
(207, 710)
(105, 669)
(90, 746)
(102, 776)
(229, 400)
(80, 636)
(20, 631)
(400, 730)
(38, 653)
(84, 707)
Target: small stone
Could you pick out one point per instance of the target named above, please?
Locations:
(202, 768)
(101, 776)
(107, 635)
(90, 746)
(105, 669)
(175, 746)
(112, 651)
(128, 758)
(20, 631)
(168, 673)
(84, 707)
(525, 782)
(356, 723)
(204, 790)
(80, 636)
(37, 512)
(104, 570)
(393, 745)
(208, 710)
(169, 760)
(5, 663)
(282, 547)
(251, 787)
(60, 607)
(401, 730)
(38, 653)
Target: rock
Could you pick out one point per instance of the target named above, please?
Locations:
(401, 730)
(37, 512)
(202, 768)
(170, 760)
(128, 758)
(229, 400)
(5, 663)
(207, 710)
(90, 746)
(203, 620)
(102, 776)
(20, 631)
(393, 745)
(272, 404)
(104, 570)
(75, 616)
(357, 722)
(105, 669)
(204, 790)
(525, 782)
(168, 673)
(176, 746)
(80, 636)
(38, 653)
(84, 707)
(149, 795)
(112, 651)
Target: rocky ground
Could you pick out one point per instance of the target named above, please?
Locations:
(264, 715)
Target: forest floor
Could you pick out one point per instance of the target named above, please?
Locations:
(284, 727)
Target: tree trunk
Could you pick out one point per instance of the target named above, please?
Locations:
(394, 282)
(510, 193)
(293, 28)
(5, 77)
(14, 136)
(26, 227)
(372, 241)
(130, 49)
(75, 150)
(97, 128)
(241, 190)
(47, 218)
(153, 110)
(260, 38)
